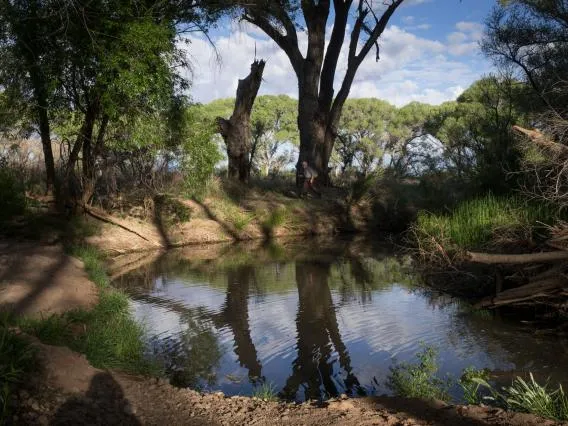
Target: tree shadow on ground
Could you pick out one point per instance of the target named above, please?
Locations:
(103, 404)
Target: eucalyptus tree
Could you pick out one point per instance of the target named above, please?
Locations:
(319, 106)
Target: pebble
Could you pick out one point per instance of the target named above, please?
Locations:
(35, 406)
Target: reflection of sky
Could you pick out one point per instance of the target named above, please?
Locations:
(392, 324)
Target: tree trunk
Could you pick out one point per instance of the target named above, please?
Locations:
(88, 154)
(236, 131)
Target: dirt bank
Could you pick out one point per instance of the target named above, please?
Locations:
(39, 280)
(71, 392)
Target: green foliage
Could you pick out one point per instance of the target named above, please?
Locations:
(534, 398)
(17, 360)
(476, 132)
(471, 382)
(12, 194)
(199, 152)
(529, 397)
(265, 392)
(419, 380)
(478, 222)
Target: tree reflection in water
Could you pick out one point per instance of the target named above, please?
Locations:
(234, 314)
(318, 337)
(191, 357)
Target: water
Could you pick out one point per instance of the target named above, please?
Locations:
(314, 326)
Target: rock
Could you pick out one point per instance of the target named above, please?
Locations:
(343, 396)
(219, 394)
(43, 420)
(35, 406)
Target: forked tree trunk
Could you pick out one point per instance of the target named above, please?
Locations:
(236, 131)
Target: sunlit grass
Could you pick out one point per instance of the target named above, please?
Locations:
(480, 222)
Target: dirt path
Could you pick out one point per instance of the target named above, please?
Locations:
(39, 279)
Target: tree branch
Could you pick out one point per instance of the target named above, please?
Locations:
(288, 43)
(333, 52)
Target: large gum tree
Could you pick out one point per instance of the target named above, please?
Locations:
(319, 107)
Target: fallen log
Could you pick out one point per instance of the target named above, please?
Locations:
(552, 287)
(495, 259)
(543, 141)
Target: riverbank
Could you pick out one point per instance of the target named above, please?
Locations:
(71, 392)
(68, 389)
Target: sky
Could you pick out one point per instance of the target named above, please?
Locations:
(428, 53)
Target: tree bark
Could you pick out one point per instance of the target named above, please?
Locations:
(45, 134)
(86, 135)
(236, 131)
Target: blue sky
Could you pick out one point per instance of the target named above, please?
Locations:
(429, 53)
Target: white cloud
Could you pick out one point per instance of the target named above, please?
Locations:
(457, 37)
(411, 68)
(408, 19)
(469, 26)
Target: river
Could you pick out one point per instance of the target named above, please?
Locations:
(315, 319)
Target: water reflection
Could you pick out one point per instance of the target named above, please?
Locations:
(314, 326)
(318, 338)
(234, 314)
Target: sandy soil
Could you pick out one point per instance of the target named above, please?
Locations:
(39, 280)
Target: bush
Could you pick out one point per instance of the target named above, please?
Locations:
(12, 195)
(419, 380)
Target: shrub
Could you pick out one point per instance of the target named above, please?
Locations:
(12, 195)
(419, 380)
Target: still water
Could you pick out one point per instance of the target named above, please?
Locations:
(315, 320)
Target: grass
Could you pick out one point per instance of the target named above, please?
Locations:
(479, 223)
(526, 396)
(17, 360)
(107, 334)
(266, 392)
(471, 383)
(419, 379)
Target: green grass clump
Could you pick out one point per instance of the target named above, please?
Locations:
(534, 398)
(266, 392)
(476, 223)
(93, 260)
(471, 382)
(17, 360)
(107, 334)
(528, 397)
(419, 380)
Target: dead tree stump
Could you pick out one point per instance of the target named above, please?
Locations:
(236, 131)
